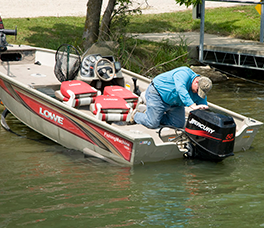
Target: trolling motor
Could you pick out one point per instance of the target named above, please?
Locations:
(3, 33)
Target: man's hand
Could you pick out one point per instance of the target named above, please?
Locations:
(195, 107)
(202, 106)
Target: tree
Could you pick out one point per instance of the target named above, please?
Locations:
(106, 21)
(94, 30)
(91, 27)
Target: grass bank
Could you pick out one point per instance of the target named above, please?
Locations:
(240, 22)
(136, 55)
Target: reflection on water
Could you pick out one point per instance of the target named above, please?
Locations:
(46, 185)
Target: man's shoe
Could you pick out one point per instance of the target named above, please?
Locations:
(132, 121)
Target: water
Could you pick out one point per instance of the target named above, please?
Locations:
(45, 185)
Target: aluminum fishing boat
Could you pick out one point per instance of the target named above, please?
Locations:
(85, 103)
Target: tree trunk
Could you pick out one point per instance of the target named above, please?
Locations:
(91, 28)
(106, 21)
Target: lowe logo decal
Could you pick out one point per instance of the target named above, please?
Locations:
(51, 116)
(202, 126)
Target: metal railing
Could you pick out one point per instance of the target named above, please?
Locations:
(201, 46)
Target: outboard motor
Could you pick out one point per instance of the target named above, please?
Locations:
(212, 134)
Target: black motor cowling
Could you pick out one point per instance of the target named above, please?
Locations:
(212, 134)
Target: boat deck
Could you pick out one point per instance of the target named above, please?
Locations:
(128, 128)
(31, 74)
(27, 66)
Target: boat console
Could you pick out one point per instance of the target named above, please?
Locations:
(95, 66)
(100, 71)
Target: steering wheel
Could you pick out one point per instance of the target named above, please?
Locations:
(105, 73)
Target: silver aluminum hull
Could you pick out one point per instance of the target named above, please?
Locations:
(77, 128)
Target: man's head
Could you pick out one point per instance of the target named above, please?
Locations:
(201, 85)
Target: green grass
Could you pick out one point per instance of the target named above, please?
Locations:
(139, 56)
(47, 32)
(241, 22)
(50, 32)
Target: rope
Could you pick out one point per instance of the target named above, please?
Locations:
(235, 76)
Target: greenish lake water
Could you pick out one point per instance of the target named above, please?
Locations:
(43, 184)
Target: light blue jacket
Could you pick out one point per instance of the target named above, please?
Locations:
(175, 87)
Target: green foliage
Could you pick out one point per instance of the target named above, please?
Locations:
(121, 16)
(141, 56)
(188, 2)
(151, 58)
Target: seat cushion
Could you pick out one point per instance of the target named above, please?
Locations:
(120, 91)
(110, 104)
(77, 101)
(112, 117)
(79, 88)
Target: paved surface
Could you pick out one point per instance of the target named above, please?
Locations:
(211, 42)
(36, 8)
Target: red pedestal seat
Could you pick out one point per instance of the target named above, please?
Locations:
(126, 94)
(76, 93)
(79, 88)
(111, 108)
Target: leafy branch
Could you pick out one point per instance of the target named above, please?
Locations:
(187, 3)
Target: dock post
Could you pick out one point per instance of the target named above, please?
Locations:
(262, 23)
(201, 46)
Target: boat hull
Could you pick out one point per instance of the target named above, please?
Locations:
(78, 128)
(68, 127)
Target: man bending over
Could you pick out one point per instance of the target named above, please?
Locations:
(169, 93)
